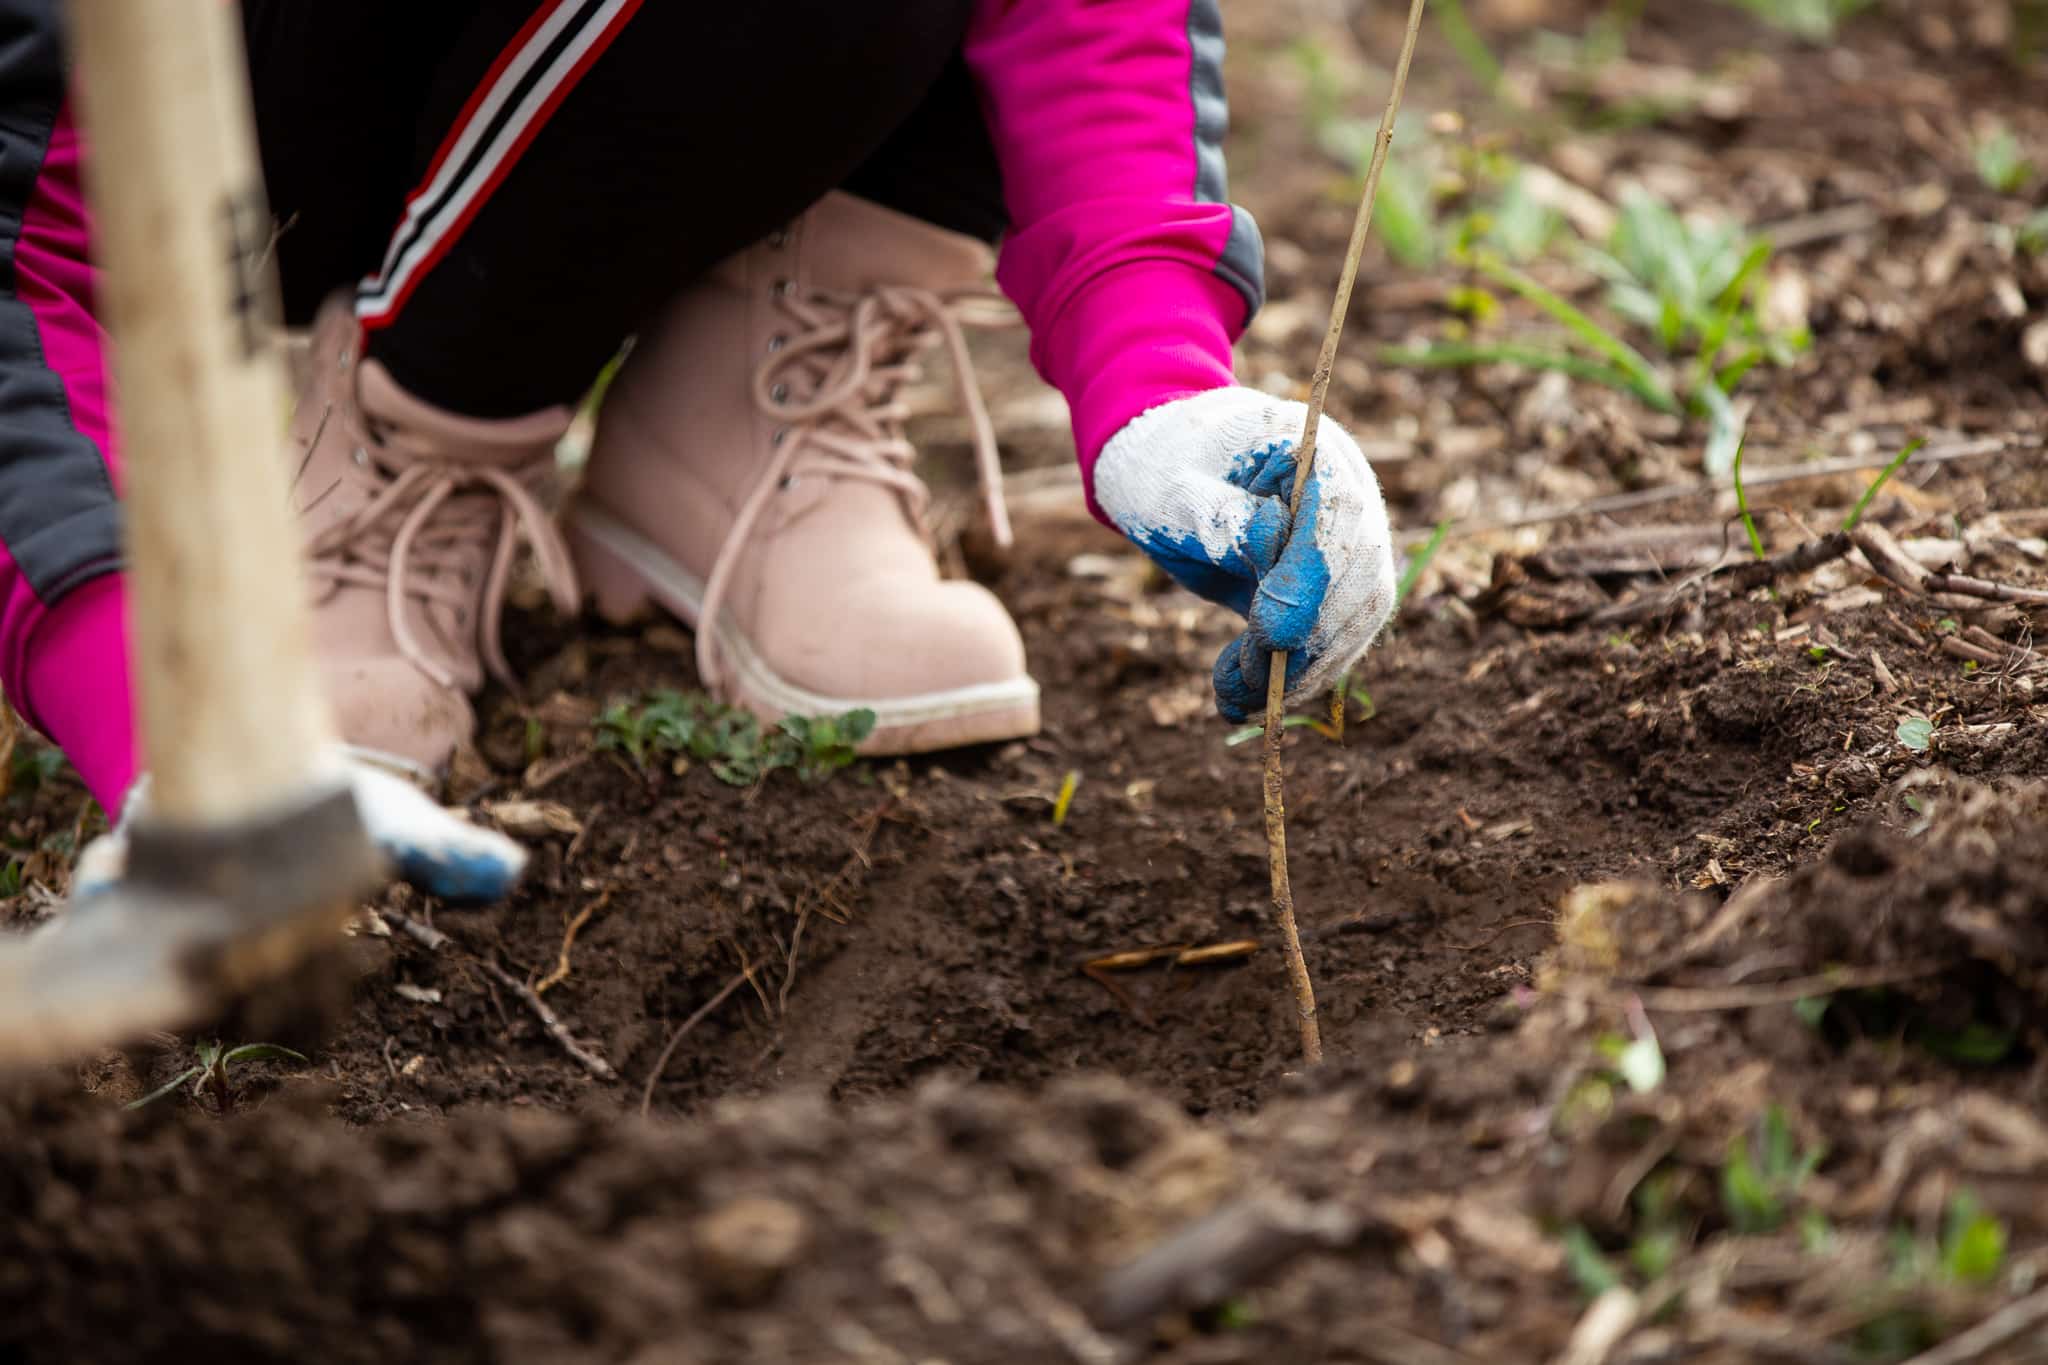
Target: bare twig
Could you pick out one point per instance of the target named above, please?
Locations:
(1728, 581)
(1980, 1341)
(1605, 1322)
(1218, 1255)
(1884, 555)
(1479, 943)
(426, 935)
(1962, 585)
(1797, 560)
(561, 971)
(549, 1020)
(1391, 1345)
(702, 1013)
(1762, 478)
(1963, 649)
(826, 897)
(1305, 457)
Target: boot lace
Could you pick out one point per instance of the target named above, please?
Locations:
(423, 526)
(835, 387)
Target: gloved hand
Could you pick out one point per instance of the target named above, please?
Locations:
(426, 844)
(1201, 484)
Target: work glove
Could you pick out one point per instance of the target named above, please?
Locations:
(423, 843)
(1201, 485)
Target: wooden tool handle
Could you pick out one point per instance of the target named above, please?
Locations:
(231, 706)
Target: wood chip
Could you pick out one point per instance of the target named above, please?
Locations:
(533, 819)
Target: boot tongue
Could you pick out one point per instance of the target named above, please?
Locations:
(855, 245)
(412, 431)
(471, 482)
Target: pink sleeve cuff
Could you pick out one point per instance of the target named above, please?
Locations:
(1130, 339)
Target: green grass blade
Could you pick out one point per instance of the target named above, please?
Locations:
(166, 1088)
(1419, 561)
(1643, 379)
(1898, 461)
(1724, 431)
(264, 1052)
(1756, 542)
(1470, 47)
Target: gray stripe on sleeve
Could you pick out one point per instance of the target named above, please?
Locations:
(1243, 266)
(1212, 109)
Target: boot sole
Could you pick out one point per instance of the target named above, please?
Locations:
(623, 573)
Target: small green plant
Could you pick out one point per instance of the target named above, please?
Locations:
(1588, 1265)
(1690, 286)
(210, 1074)
(1762, 1173)
(33, 765)
(1659, 1235)
(2001, 162)
(1916, 732)
(1972, 1242)
(2032, 235)
(731, 742)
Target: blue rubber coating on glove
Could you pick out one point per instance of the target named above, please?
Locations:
(1284, 611)
(451, 875)
(1229, 580)
(1277, 582)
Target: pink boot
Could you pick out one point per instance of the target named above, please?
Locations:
(411, 518)
(750, 468)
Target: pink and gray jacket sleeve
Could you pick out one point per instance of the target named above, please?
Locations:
(1132, 270)
(63, 654)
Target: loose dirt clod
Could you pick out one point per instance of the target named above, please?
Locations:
(743, 1248)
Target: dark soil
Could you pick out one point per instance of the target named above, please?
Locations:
(916, 1129)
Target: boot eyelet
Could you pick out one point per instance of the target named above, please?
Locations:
(780, 435)
(779, 392)
(787, 482)
(779, 238)
(777, 342)
(782, 289)
(360, 456)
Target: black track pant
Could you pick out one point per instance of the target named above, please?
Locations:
(517, 185)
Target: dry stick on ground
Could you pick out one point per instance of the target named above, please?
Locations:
(1987, 1336)
(1276, 688)
(426, 935)
(549, 1020)
(1762, 478)
(1219, 1254)
(1729, 581)
(433, 940)
(702, 1013)
(1962, 585)
(561, 971)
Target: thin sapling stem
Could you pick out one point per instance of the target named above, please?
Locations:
(1276, 687)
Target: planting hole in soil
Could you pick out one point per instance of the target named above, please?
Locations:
(1674, 902)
